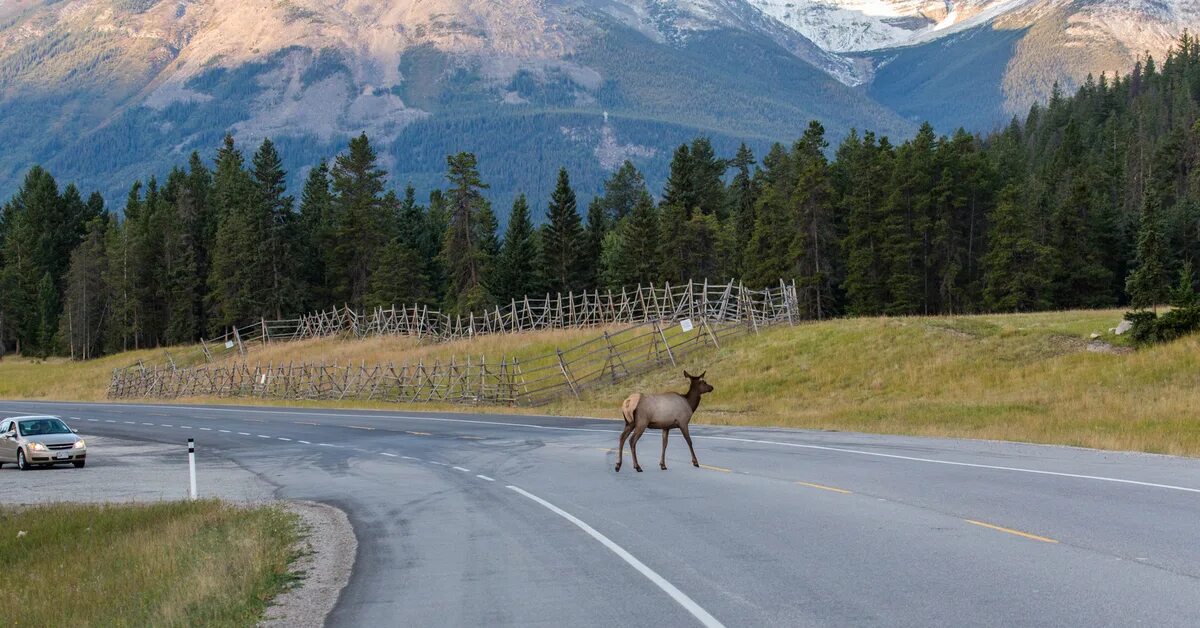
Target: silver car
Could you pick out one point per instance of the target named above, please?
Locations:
(30, 441)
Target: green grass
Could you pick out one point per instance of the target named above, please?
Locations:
(202, 563)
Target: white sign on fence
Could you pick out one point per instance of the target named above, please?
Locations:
(686, 325)
(228, 344)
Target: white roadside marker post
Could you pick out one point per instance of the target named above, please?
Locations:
(192, 467)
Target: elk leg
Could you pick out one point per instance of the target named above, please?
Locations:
(621, 445)
(688, 437)
(637, 433)
(662, 462)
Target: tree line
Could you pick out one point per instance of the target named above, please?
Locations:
(1092, 200)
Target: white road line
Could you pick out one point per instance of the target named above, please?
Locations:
(130, 423)
(244, 433)
(150, 424)
(325, 445)
(185, 427)
(410, 458)
(205, 429)
(699, 436)
(461, 469)
(384, 453)
(74, 418)
(484, 477)
(165, 425)
(973, 465)
(263, 436)
(304, 441)
(440, 464)
(95, 420)
(109, 421)
(686, 602)
(225, 431)
(284, 439)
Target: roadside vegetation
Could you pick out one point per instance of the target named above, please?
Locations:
(1019, 377)
(203, 563)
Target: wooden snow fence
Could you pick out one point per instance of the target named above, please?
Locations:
(718, 303)
(604, 360)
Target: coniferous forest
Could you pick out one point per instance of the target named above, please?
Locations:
(1093, 200)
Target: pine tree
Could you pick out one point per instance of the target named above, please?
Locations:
(561, 264)
(48, 310)
(516, 271)
(630, 253)
(622, 191)
(279, 228)
(742, 196)
(815, 242)
(85, 322)
(463, 254)
(397, 278)
(1148, 284)
(1014, 265)
(236, 280)
(362, 227)
(593, 242)
(860, 178)
(317, 239)
(769, 252)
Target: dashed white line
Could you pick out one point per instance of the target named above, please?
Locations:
(109, 421)
(244, 433)
(205, 429)
(410, 458)
(284, 439)
(325, 445)
(150, 424)
(166, 425)
(384, 453)
(185, 427)
(93, 420)
(686, 602)
(304, 441)
(129, 423)
(440, 464)
(225, 431)
(461, 469)
(263, 436)
(484, 477)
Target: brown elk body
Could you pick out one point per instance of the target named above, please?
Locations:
(664, 412)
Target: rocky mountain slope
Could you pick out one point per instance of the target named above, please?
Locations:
(104, 91)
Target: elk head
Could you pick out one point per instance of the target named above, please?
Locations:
(698, 382)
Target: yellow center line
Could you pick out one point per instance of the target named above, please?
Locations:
(712, 468)
(825, 488)
(419, 433)
(1010, 531)
(359, 427)
(305, 423)
(610, 450)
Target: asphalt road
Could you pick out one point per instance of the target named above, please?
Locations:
(477, 520)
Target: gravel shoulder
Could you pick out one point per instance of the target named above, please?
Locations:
(130, 471)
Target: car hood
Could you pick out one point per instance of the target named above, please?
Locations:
(52, 439)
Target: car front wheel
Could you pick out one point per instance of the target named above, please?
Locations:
(22, 464)
(79, 465)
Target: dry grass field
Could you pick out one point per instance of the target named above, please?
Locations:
(1022, 377)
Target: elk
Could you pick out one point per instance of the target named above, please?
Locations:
(662, 412)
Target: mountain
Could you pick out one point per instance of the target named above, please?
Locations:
(976, 63)
(103, 92)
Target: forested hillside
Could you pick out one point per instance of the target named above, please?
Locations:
(1093, 200)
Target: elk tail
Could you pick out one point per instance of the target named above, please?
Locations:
(629, 406)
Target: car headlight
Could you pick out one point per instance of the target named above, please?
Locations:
(37, 446)
(79, 444)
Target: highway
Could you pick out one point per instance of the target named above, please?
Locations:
(502, 520)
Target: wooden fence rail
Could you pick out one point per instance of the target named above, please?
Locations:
(722, 303)
(604, 360)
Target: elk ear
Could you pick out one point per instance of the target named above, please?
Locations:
(688, 375)
(703, 374)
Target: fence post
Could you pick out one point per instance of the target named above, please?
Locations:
(562, 364)
(670, 354)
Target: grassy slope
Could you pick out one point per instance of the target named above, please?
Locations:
(1023, 377)
(1018, 377)
(167, 564)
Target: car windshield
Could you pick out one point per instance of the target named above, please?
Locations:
(38, 427)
